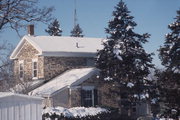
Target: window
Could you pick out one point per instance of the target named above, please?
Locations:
(89, 96)
(34, 69)
(21, 69)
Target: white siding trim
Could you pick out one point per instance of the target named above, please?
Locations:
(88, 87)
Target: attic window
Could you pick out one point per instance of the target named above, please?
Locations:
(34, 69)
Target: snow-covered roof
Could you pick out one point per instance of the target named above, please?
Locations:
(69, 78)
(61, 46)
(10, 94)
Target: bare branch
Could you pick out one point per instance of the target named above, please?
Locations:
(6, 71)
(19, 13)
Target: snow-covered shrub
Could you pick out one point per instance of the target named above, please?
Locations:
(75, 112)
(81, 113)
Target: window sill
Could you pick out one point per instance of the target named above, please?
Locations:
(35, 78)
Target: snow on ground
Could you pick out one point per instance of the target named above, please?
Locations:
(74, 112)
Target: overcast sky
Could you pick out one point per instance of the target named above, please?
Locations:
(152, 16)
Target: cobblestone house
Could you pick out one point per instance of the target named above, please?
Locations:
(52, 66)
(38, 60)
(48, 66)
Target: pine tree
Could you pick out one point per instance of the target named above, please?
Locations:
(169, 79)
(123, 58)
(170, 51)
(77, 31)
(54, 28)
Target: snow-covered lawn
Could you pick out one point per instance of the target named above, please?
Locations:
(74, 112)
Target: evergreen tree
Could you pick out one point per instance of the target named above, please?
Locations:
(170, 51)
(123, 58)
(54, 28)
(169, 79)
(77, 31)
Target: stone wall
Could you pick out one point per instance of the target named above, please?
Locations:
(48, 67)
(54, 66)
(47, 102)
(71, 97)
(106, 95)
(75, 98)
(40, 67)
(61, 98)
(27, 54)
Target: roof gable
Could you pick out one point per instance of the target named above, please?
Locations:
(19, 47)
(62, 46)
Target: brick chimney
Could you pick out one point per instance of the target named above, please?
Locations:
(30, 30)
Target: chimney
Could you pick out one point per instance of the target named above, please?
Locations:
(30, 30)
(77, 45)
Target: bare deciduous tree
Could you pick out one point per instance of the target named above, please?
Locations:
(6, 72)
(8, 82)
(17, 13)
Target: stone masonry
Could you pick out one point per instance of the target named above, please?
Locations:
(48, 66)
(54, 66)
(27, 54)
(104, 90)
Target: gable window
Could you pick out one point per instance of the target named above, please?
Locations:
(89, 96)
(35, 69)
(21, 69)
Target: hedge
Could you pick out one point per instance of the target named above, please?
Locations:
(112, 115)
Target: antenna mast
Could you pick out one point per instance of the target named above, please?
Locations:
(75, 14)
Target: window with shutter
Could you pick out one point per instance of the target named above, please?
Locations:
(34, 69)
(21, 69)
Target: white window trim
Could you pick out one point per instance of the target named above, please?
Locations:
(92, 89)
(21, 62)
(88, 87)
(34, 60)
